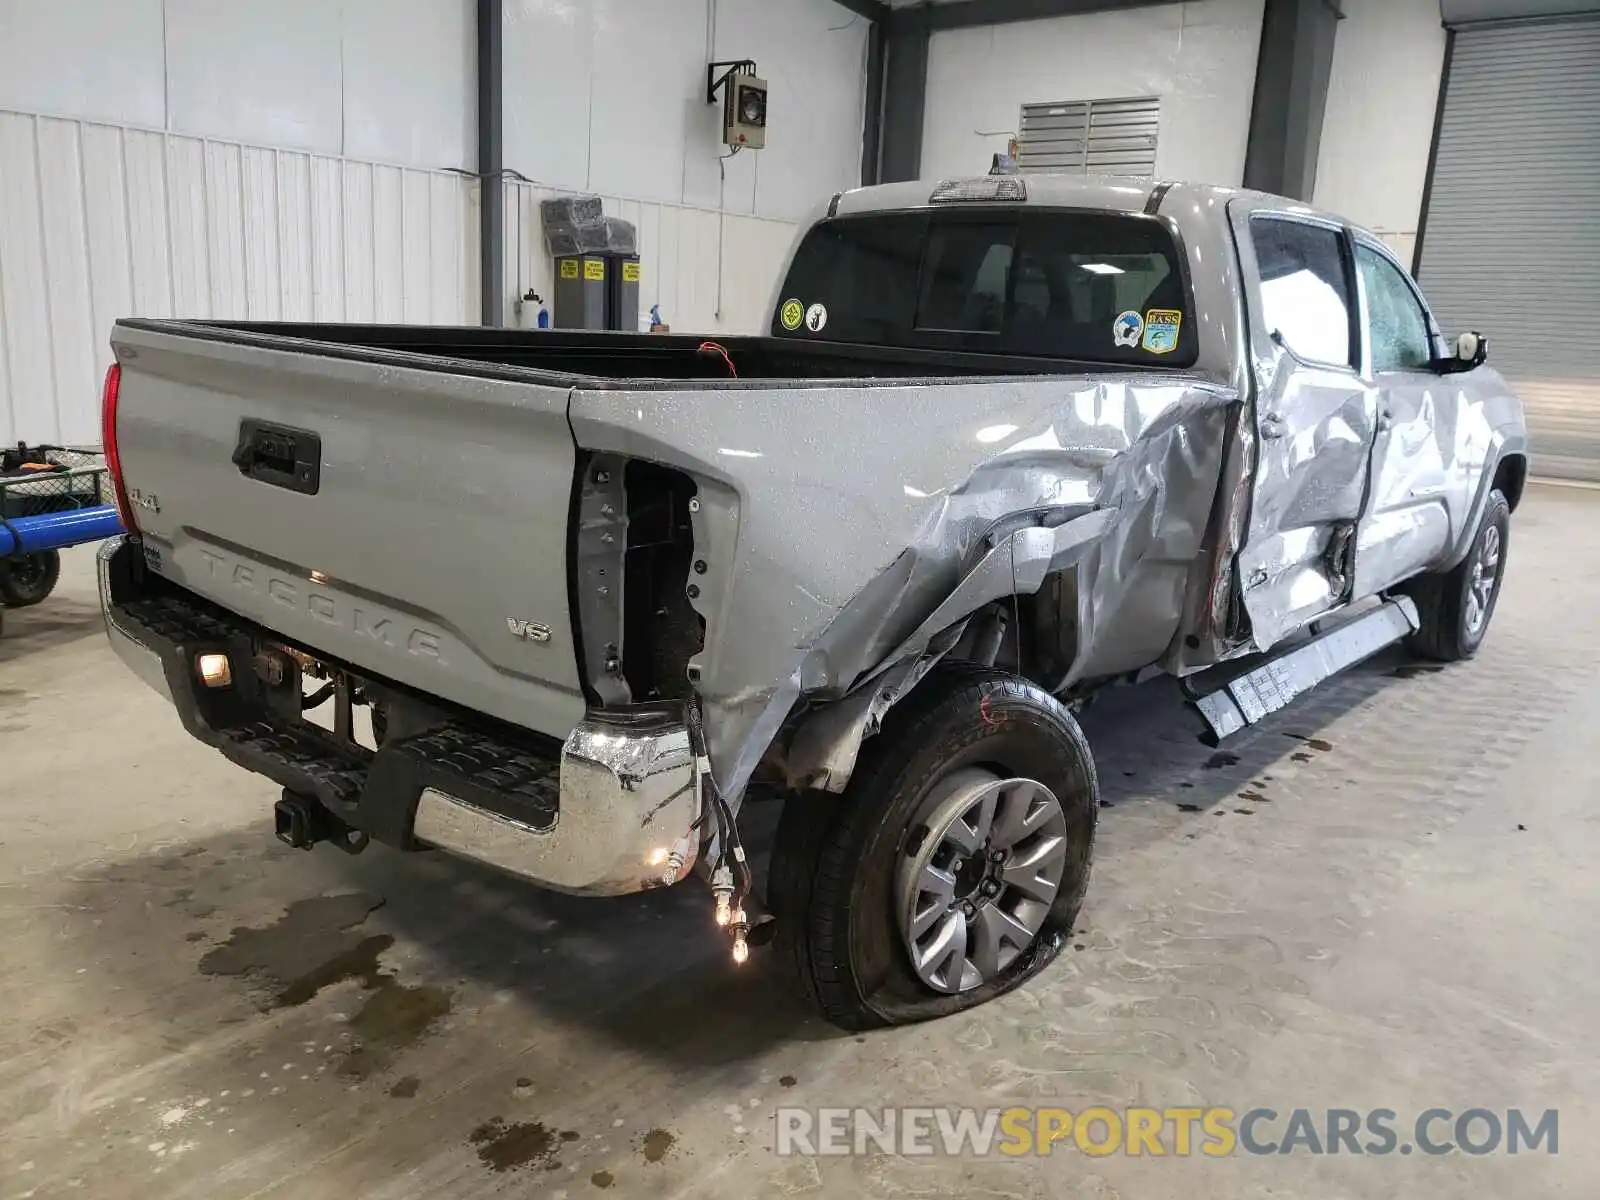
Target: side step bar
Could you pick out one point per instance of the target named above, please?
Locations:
(1270, 685)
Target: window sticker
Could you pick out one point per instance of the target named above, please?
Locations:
(816, 318)
(1127, 329)
(1161, 327)
(791, 314)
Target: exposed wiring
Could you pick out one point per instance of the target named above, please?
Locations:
(718, 348)
(729, 844)
(722, 206)
(502, 173)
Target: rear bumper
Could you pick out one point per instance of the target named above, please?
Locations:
(615, 810)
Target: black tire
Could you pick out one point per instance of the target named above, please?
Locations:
(831, 883)
(26, 579)
(1447, 631)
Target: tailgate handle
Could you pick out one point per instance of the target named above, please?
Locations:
(279, 456)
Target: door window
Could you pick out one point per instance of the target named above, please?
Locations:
(1305, 290)
(1397, 328)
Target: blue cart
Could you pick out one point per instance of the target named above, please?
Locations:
(51, 497)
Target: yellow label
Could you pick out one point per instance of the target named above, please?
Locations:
(594, 268)
(791, 314)
(569, 268)
(630, 272)
(1161, 329)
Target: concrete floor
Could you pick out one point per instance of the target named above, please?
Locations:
(1386, 900)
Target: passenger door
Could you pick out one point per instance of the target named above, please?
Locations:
(1407, 521)
(1314, 416)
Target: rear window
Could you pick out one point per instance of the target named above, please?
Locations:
(1049, 283)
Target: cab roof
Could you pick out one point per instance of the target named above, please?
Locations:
(1107, 193)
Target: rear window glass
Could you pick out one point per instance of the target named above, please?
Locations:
(1094, 287)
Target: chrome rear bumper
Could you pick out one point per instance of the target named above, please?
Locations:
(629, 808)
(620, 812)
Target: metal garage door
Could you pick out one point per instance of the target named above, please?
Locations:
(1511, 239)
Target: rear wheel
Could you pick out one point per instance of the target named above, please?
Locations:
(26, 579)
(1455, 607)
(954, 865)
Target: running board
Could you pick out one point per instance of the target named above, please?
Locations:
(1264, 689)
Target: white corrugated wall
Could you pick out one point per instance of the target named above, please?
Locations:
(102, 221)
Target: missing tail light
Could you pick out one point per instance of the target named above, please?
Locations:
(634, 582)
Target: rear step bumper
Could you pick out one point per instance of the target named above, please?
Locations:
(616, 811)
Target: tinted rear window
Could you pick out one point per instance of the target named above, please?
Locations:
(1049, 283)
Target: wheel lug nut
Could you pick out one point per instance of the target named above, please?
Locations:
(966, 908)
(956, 864)
(991, 888)
(997, 856)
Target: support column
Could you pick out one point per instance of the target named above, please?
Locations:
(1292, 72)
(872, 115)
(907, 34)
(491, 150)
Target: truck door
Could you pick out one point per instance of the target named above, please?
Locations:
(1315, 418)
(1407, 520)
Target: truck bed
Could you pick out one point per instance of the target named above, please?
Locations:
(613, 359)
(536, 526)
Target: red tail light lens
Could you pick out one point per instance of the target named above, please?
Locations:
(108, 437)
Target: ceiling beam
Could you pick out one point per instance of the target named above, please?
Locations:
(872, 10)
(962, 14)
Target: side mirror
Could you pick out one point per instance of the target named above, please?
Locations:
(1472, 349)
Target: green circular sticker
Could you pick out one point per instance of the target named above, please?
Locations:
(792, 313)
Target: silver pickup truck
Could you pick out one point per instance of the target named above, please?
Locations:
(562, 602)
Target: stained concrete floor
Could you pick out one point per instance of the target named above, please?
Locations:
(1382, 898)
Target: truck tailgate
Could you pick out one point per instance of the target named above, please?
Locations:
(390, 516)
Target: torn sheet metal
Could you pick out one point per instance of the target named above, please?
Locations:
(1365, 475)
(828, 553)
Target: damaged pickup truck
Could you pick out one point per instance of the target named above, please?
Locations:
(563, 603)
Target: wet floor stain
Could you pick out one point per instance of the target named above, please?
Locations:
(1190, 808)
(1315, 743)
(1254, 797)
(602, 1179)
(655, 1145)
(405, 1088)
(1301, 756)
(393, 1017)
(312, 947)
(196, 936)
(786, 1080)
(303, 951)
(503, 1147)
(1222, 758)
(1245, 812)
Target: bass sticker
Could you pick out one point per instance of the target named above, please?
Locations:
(816, 318)
(1127, 328)
(1161, 326)
(791, 314)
